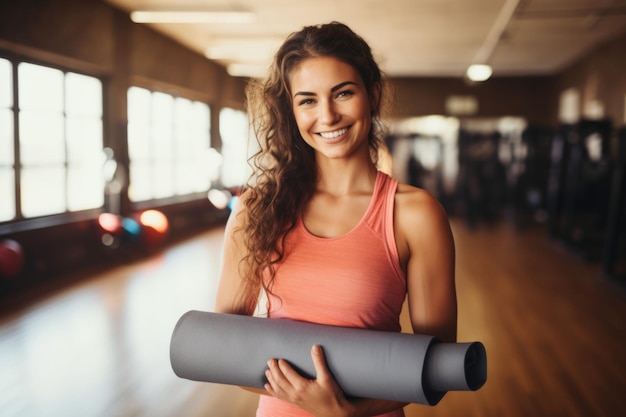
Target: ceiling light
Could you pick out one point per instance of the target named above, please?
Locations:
(147, 16)
(247, 70)
(479, 72)
(248, 49)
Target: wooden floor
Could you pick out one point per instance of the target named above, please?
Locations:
(554, 329)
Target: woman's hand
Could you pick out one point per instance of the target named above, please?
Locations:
(321, 397)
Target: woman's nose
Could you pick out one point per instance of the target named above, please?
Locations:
(328, 113)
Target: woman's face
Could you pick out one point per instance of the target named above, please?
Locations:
(331, 107)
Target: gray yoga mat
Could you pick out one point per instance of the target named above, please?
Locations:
(232, 349)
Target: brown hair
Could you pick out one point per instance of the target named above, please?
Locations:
(285, 172)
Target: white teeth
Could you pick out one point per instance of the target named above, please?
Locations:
(336, 133)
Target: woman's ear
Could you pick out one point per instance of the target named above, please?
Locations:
(375, 98)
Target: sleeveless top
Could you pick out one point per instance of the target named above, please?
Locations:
(354, 280)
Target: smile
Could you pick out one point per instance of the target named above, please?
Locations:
(334, 134)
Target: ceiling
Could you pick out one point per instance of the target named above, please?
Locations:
(410, 38)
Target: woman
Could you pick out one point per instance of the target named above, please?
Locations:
(328, 237)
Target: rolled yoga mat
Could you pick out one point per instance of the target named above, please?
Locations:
(232, 349)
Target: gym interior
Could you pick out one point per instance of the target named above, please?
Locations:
(112, 229)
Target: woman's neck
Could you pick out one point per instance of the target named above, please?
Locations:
(341, 177)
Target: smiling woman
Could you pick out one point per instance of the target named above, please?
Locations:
(332, 108)
(321, 230)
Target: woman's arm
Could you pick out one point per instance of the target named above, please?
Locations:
(231, 281)
(426, 247)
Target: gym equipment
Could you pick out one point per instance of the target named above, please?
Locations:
(232, 349)
(219, 198)
(579, 185)
(110, 223)
(131, 229)
(154, 226)
(109, 228)
(528, 173)
(559, 157)
(11, 258)
(614, 256)
(481, 178)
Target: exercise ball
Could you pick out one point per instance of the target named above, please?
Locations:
(131, 229)
(11, 258)
(110, 223)
(154, 226)
(219, 198)
(110, 229)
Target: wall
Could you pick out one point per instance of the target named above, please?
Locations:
(601, 76)
(77, 32)
(530, 97)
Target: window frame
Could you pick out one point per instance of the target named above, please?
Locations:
(15, 56)
(154, 86)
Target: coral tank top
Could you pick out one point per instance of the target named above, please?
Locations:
(354, 280)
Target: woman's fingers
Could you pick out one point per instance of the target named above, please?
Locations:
(284, 380)
(281, 373)
(275, 378)
(319, 361)
(272, 383)
(281, 377)
(320, 396)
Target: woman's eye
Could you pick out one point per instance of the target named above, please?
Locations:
(305, 102)
(345, 93)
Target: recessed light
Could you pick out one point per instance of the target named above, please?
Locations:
(479, 72)
(162, 16)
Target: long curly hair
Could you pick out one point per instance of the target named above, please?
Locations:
(284, 169)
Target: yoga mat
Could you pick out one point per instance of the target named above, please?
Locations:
(233, 349)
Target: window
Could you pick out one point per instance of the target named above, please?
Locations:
(168, 145)
(57, 156)
(235, 134)
(7, 160)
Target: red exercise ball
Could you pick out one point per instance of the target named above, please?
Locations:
(110, 223)
(154, 227)
(11, 258)
(110, 229)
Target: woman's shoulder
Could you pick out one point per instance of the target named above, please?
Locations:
(417, 201)
(418, 210)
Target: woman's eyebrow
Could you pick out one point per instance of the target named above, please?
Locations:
(341, 85)
(335, 88)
